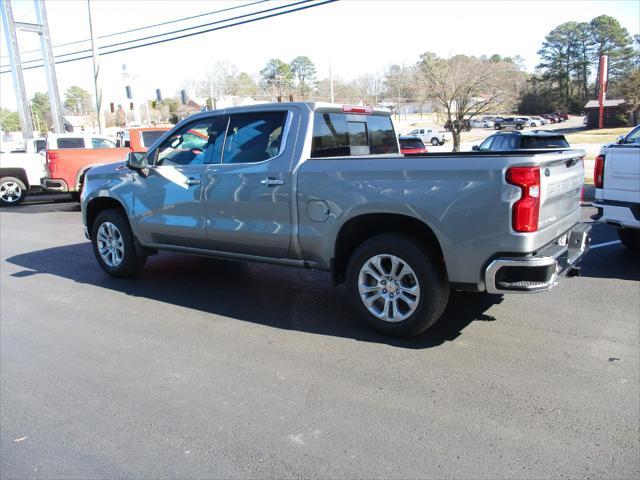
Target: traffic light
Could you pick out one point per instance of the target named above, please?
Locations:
(130, 105)
(291, 98)
(183, 96)
(158, 95)
(127, 90)
(112, 108)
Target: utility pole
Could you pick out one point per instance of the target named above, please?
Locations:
(96, 71)
(17, 75)
(41, 27)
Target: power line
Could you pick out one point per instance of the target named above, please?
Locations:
(145, 27)
(169, 33)
(277, 14)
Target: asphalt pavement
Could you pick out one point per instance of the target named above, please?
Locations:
(204, 368)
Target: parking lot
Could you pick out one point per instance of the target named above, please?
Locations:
(210, 368)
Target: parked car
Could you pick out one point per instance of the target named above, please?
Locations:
(617, 180)
(76, 154)
(411, 145)
(20, 173)
(557, 117)
(550, 118)
(563, 116)
(478, 123)
(509, 122)
(538, 121)
(429, 135)
(513, 141)
(290, 184)
(531, 121)
(58, 141)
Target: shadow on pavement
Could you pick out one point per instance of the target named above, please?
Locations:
(44, 203)
(279, 297)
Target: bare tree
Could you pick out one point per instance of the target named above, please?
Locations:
(463, 87)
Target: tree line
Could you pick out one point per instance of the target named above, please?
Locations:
(566, 77)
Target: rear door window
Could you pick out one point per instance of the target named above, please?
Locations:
(102, 143)
(254, 137)
(344, 135)
(70, 142)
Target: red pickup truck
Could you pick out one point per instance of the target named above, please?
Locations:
(66, 167)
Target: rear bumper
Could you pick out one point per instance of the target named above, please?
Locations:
(539, 271)
(618, 214)
(54, 184)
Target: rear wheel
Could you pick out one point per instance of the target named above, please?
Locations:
(630, 238)
(397, 284)
(519, 126)
(435, 141)
(113, 245)
(12, 191)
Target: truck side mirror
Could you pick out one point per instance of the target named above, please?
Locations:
(620, 140)
(137, 161)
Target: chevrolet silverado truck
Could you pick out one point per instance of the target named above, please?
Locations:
(69, 156)
(323, 186)
(617, 180)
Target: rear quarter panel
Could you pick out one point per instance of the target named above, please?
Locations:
(463, 200)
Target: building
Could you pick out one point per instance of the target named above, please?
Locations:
(613, 113)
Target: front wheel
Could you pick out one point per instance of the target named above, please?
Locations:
(113, 245)
(630, 238)
(12, 191)
(519, 126)
(398, 284)
(435, 142)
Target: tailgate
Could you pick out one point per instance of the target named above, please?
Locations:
(622, 173)
(561, 181)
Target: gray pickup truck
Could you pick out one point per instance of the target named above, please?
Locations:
(323, 186)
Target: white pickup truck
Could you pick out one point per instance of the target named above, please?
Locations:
(617, 180)
(429, 135)
(21, 172)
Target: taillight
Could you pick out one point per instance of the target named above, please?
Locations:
(598, 172)
(353, 109)
(51, 156)
(526, 210)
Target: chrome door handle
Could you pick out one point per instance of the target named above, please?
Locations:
(192, 181)
(271, 182)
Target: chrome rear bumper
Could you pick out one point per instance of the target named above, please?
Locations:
(539, 271)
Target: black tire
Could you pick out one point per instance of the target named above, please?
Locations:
(75, 196)
(131, 262)
(498, 127)
(435, 141)
(519, 126)
(630, 238)
(429, 274)
(12, 191)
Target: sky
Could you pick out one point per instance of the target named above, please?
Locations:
(354, 36)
